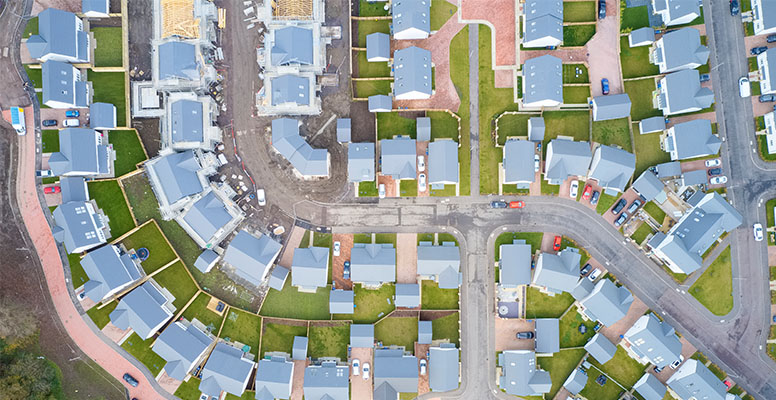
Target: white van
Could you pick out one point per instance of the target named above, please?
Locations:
(744, 89)
(71, 123)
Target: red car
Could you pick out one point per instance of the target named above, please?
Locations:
(588, 191)
(516, 204)
(728, 383)
(52, 189)
(556, 243)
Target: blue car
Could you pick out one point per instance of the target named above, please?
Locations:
(71, 113)
(605, 86)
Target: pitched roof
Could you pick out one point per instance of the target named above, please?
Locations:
(177, 175)
(393, 367)
(59, 34)
(226, 370)
(78, 153)
(443, 261)
(655, 340)
(74, 188)
(766, 14)
(412, 70)
(293, 45)
(425, 332)
(536, 129)
(675, 9)
(567, 158)
(423, 129)
(96, 6)
(378, 47)
(443, 162)
(612, 167)
(305, 159)
(543, 79)
(373, 263)
(251, 256)
(444, 368)
(582, 289)
(398, 158)
(515, 264)
(274, 377)
(181, 346)
(770, 56)
(558, 272)
(277, 278)
(652, 124)
(692, 139)
(341, 302)
(682, 48)
(614, 106)
(411, 15)
(310, 267)
(650, 388)
(547, 335)
(669, 169)
(407, 295)
(60, 84)
(520, 374)
(641, 36)
(290, 89)
(144, 309)
(684, 92)
(178, 60)
(299, 349)
(207, 215)
(543, 18)
(187, 121)
(607, 303)
(362, 335)
(696, 177)
(648, 185)
(361, 162)
(343, 130)
(576, 381)
(108, 270)
(102, 116)
(519, 161)
(206, 260)
(695, 380)
(380, 103)
(600, 348)
(79, 226)
(327, 381)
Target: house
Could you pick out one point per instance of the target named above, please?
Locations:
(274, 377)
(651, 340)
(681, 92)
(73, 188)
(652, 124)
(292, 92)
(206, 261)
(226, 370)
(600, 348)
(557, 273)
(341, 302)
(668, 170)
(582, 289)
(514, 264)
(607, 303)
(343, 130)
(693, 380)
(362, 335)
(63, 87)
(110, 271)
(641, 37)
(394, 369)
(310, 268)
(373, 264)
(411, 19)
(102, 116)
(177, 62)
(542, 80)
(518, 163)
(425, 332)
(252, 256)
(210, 219)
(442, 163)
(183, 345)
(440, 263)
(80, 226)
(423, 129)
(520, 375)
(144, 310)
(291, 45)
(613, 106)
(686, 242)
(83, 152)
(412, 71)
(566, 159)
(378, 47)
(770, 132)
(175, 178)
(766, 64)
(188, 122)
(697, 177)
(307, 161)
(612, 168)
(691, 139)
(95, 8)
(380, 103)
(398, 158)
(407, 295)
(327, 381)
(277, 278)
(650, 388)
(299, 349)
(576, 381)
(444, 368)
(764, 13)
(547, 335)
(60, 37)
(361, 162)
(542, 23)
(536, 129)
(679, 49)
(676, 12)
(650, 187)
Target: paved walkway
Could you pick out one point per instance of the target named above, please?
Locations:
(711, 116)
(604, 52)
(504, 22)
(566, 55)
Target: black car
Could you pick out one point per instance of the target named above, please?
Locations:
(705, 77)
(767, 98)
(620, 219)
(585, 269)
(634, 206)
(602, 9)
(619, 206)
(757, 50)
(131, 380)
(49, 122)
(525, 335)
(734, 9)
(771, 38)
(346, 270)
(498, 204)
(715, 171)
(594, 197)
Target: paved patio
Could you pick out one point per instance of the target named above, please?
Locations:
(168, 383)
(115, 334)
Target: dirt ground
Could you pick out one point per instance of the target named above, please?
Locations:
(506, 329)
(141, 19)
(148, 130)
(73, 6)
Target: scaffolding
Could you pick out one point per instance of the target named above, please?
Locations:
(178, 19)
(292, 9)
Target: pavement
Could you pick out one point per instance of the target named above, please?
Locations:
(503, 22)
(603, 52)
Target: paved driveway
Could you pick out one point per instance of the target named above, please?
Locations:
(168, 383)
(506, 329)
(504, 22)
(391, 185)
(360, 388)
(761, 108)
(294, 240)
(297, 390)
(420, 352)
(603, 52)
(421, 149)
(406, 258)
(338, 262)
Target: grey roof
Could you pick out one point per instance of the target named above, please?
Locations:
(547, 335)
(102, 116)
(277, 278)
(601, 348)
(58, 34)
(543, 18)
(693, 139)
(373, 263)
(655, 340)
(251, 256)
(652, 124)
(178, 60)
(576, 381)
(341, 302)
(682, 48)
(613, 106)
(398, 158)
(108, 270)
(78, 153)
(519, 161)
(607, 303)
(669, 170)
(411, 70)
(521, 375)
(206, 260)
(443, 162)
(343, 130)
(181, 347)
(79, 226)
(361, 162)
(411, 15)
(290, 89)
(536, 129)
(187, 121)
(305, 159)
(97, 6)
(177, 173)
(543, 79)
(395, 368)
(273, 378)
(425, 332)
(310, 267)
(677, 9)
(225, 370)
(766, 14)
(770, 57)
(684, 91)
(380, 103)
(641, 36)
(582, 289)
(650, 388)
(378, 47)
(648, 185)
(514, 264)
(299, 350)
(612, 167)
(327, 381)
(567, 158)
(60, 84)
(407, 295)
(443, 261)
(695, 380)
(558, 272)
(444, 368)
(423, 129)
(144, 309)
(385, 392)
(293, 45)
(207, 216)
(697, 177)
(74, 188)
(362, 335)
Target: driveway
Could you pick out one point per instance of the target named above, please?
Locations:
(391, 185)
(167, 382)
(547, 242)
(294, 240)
(59, 115)
(116, 334)
(360, 388)
(629, 196)
(603, 52)
(578, 55)
(506, 329)
(406, 258)
(297, 388)
(687, 351)
(420, 351)
(52, 199)
(636, 310)
(338, 262)
(421, 149)
(674, 119)
(761, 108)
(596, 187)
(504, 22)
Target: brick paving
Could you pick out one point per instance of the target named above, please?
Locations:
(116, 334)
(359, 388)
(504, 22)
(577, 55)
(294, 240)
(406, 258)
(297, 388)
(338, 262)
(761, 108)
(629, 196)
(391, 186)
(772, 255)
(603, 56)
(421, 149)
(711, 116)
(168, 383)
(504, 78)
(420, 352)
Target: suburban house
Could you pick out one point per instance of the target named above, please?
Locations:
(83, 152)
(95, 8)
(652, 124)
(650, 388)
(411, 19)
(341, 301)
(373, 264)
(669, 170)
(641, 37)
(651, 340)
(444, 367)
(685, 243)
(209, 219)
(442, 264)
(556, 273)
(423, 129)
(679, 49)
(514, 264)
(63, 87)
(189, 122)
(378, 47)
(612, 168)
(310, 268)
(110, 271)
(252, 256)
(681, 92)
(693, 380)
(394, 372)
(766, 64)
(206, 261)
(398, 158)
(607, 303)
(327, 381)
(566, 159)
(770, 132)
(307, 161)
(547, 335)
(676, 12)
(60, 37)
(613, 106)
(362, 335)
(518, 163)
(361, 162)
(697, 177)
(73, 188)
(226, 370)
(542, 23)
(650, 187)
(520, 375)
(273, 378)
(80, 226)
(290, 94)
(291, 46)
(576, 381)
(691, 139)
(442, 163)
(380, 103)
(764, 17)
(412, 72)
(600, 348)
(536, 129)
(183, 345)
(144, 310)
(178, 66)
(542, 81)
(407, 295)
(175, 178)
(425, 332)
(102, 116)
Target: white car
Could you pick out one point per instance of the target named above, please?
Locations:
(718, 180)
(421, 163)
(366, 371)
(677, 363)
(261, 196)
(381, 191)
(356, 364)
(336, 249)
(71, 123)
(713, 163)
(574, 189)
(594, 275)
(537, 163)
(423, 366)
(758, 232)
(422, 182)
(744, 89)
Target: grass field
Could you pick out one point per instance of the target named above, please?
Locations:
(329, 341)
(367, 189)
(365, 27)
(769, 206)
(570, 74)
(50, 140)
(150, 237)
(108, 50)
(372, 9)
(566, 123)
(109, 198)
(371, 305)
(101, 316)
(399, 331)
(129, 151)
(109, 88)
(622, 368)
(459, 74)
(370, 88)
(635, 60)
(532, 238)
(592, 390)
(654, 210)
(242, 327)
(569, 329)
(513, 125)
(391, 124)
(31, 28)
(446, 328)
(613, 132)
(576, 94)
(291, 303)
(189, 390)
(763, 149)
(141, 349)
(368, 69)
(634, 18)
(579, 11)
(198, 309)
(577, 35)
(441, 11)
(443, 125)
(641, 233)
(434, 298)
(540, 305)
(714, 289)
(560, 366)
(35, 75)
(640, 93)
(178, 282)
(277, 337)
(408, 188)
(648, 152)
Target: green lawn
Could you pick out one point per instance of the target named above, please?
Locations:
(441, 11)
(577, 35)
(634, 18)
(570, 74)
(391, 124)
(198, 309)
(763, 146)
(576, 94)
(50, 140)
(434, 298)
(365, 89)
(755, 88)
(513, 125)
(35, 75)
(560, 366)
(386, 238)
(714, 289)
(446, 237)
(109, 88)
(365, 27)
(569, 329)
(769, 206)
(367, 189)
(635, 60)
(242, 327)
(178, 282)
(592, 390)
(362, 238)
(248, 395)
(648, 152)
(443, 125)
(446, 328)
(579, 11)
(622, 368)
(77, 273)
(448, 191)
(679, 278)
(371, 305)
(655, 211)
(459, 74)
(101, 316)
(129, 151)
(141, 349)
(291, 303)
(399, 331)
(408, 188)
(640, 93)
(150, 237)
(566, 123)
(369, 9)
(540, 305)
(614, 132)
(641, 233)
(532, 238)
(278, 337)
(368, 69)
(329, 341)
(31, 28)
(108, 51)
(189, 390)
(549, 190)
(605, 202)
(109, 198)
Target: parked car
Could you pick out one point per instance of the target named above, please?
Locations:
(705, 77)
(594, 275)
(587, 192)
(356, 366)
(713, 163)
(621, 219)
(537, 163)
(585, 269)
(366, 371)
(261, 197)
(423, 363)
(594, 197)
(346, 270)
(421, 163)
(525, 335)
(757, 50)
(131, 380)
(771, 38)
(72, 113)
(758, 232)
(605, 86)
(744, 89)
(71, 123)
(556, 243)
(718, 180)
(49, 122)
(602, 9)
(498, 204)
(677, 363)
(634, 206)
(381, 191)
(42, 173)
(767, 98)
(728, 384)
(734, 9)
(336, 248)
(516, 204)
(714, 171)
(52, 189)
(619, 206)
(574, 189)
(422, 182)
